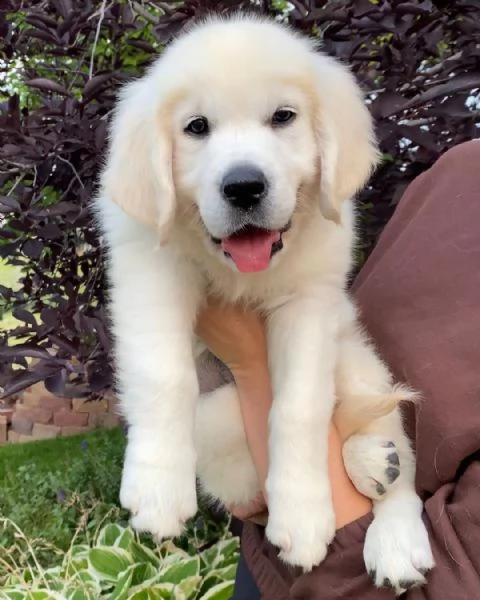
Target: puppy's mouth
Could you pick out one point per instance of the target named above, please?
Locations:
(252, 248)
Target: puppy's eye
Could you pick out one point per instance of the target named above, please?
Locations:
(282, 116)
(198, 127)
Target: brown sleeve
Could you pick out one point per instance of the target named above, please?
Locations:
(420, 298)
(453, 522)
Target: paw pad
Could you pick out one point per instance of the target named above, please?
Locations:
(391, 473)
(406, 584)
(386, 583)
(372, 463)
(393, 459)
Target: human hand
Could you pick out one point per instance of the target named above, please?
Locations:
(236, 337)
(255, 511)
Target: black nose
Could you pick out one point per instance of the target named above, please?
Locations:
(244, 186)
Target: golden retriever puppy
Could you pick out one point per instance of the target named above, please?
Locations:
(231, 170)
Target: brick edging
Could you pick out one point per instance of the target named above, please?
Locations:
(37, 415)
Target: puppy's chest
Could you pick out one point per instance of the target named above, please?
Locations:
(263, 290)
(252, 293)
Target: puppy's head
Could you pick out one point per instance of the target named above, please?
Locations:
(236, 122)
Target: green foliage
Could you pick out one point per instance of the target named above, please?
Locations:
(54, 489)
(118, 566)
(91, 54)
(60, 490)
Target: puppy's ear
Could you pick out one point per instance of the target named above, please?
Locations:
(138, 171)
(345, 135)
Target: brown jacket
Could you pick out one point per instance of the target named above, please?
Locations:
(420, 298)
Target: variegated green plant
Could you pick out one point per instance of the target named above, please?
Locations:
(118, 567)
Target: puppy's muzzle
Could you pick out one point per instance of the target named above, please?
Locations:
(244, 186)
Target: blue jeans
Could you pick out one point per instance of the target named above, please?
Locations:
(245, 586)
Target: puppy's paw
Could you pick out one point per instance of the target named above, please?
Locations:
(397, 552)
(160, 500)
(372, 463)
(301, 522)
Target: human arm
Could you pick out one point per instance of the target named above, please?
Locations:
(238, 339)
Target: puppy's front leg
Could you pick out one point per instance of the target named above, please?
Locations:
(154, 299)
(302, 350)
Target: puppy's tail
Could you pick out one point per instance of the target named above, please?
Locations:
(356, 412)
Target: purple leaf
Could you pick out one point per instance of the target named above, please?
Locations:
(24, 315)
(32, 249)
(47, 85)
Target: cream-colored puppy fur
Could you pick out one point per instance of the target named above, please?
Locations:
(160, 207)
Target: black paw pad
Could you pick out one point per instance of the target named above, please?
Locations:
(388, 445)
(372, 574)
(393, 459)
(406, 584)
(392, 473)
(380, 489)
(387, 583)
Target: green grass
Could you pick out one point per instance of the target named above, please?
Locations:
(64, 537)
(57, 492)
(55, 489)
(57, 454)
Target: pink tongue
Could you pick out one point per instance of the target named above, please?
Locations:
(251, 250)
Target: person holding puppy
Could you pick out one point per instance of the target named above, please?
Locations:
(419, 296)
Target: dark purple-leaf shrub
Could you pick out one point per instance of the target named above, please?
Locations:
(417, 61)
